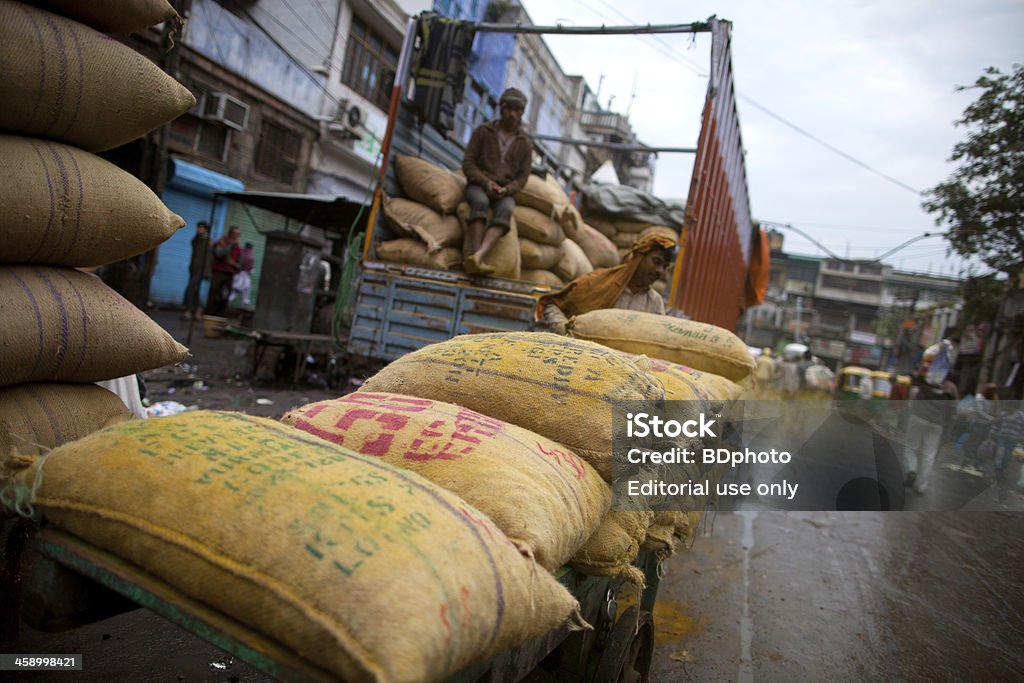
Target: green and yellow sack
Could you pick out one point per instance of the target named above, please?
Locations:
(614, 546)
(546, 499)
(369, 572)
(558, 387)
(702, 346)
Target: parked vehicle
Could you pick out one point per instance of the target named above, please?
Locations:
(852, 382)
(400, 308)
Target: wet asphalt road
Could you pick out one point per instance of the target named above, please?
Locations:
(778, 596)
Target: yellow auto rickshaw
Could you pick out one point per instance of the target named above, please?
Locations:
(852, 381)
(881, 385)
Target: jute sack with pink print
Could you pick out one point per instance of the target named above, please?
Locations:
(550, 500)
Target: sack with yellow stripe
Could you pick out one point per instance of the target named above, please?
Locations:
(368, 571)
(700, 345)
(546, 499)
(560, 388)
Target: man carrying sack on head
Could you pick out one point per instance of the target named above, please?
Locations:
(497, 163)
(626, 286)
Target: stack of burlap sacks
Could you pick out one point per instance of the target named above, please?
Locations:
(407, 530)
(548, 243)
(69, 91)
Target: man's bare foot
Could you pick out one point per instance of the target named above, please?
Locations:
(475, 266)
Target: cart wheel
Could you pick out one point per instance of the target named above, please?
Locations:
(626, 656)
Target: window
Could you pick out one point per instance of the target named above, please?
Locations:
(205, 138)
(277, 155)
(370, 64)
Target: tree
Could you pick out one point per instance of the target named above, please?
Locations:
(982, 202)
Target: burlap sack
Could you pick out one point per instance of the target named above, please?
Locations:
(683, 381)
(700, 345)
(660, 539)
(660, 230)
(65, 81)
(605, 226)
(414, 252)
(572, 263)
(62, 206)
(418, 220)
(625, 240)
(614, 546)
(599, 250)
(60, 324)
(555, 386)
(370, 572)
(542, 277)
(536, 226)
(429, 184)
(36, 418)
(544, 195)
(113, 16)
(504, 256)
(623, 253)
(538, 256)
(572, 223)
(630, 226)
(546, 499)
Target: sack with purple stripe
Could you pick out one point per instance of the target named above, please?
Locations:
(60, 324)
(62, 206)
(65, 81)
(36, 418)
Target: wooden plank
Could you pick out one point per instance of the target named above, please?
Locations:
(148, 591)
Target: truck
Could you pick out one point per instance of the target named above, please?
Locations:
(400, 308)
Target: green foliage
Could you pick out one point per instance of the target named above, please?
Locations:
(982, 297)
(982, 203)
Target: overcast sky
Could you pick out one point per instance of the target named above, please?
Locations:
(875, 79)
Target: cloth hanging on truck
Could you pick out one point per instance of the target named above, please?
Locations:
(440, 58)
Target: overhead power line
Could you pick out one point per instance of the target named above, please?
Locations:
(673, 54)
(833, 255)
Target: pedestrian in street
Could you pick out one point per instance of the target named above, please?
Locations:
(497, 164)
(932, 408)
(1007, 432)
(227, 256)
(980, 420)
(241, 284)
(767, 374)
(198, 270)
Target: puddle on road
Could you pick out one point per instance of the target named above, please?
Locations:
(672, 621)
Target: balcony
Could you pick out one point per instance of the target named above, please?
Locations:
(606, 123)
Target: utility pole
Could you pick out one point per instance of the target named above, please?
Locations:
(799, 313)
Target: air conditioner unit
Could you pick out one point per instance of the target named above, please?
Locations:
(347, 120)
(230, 111)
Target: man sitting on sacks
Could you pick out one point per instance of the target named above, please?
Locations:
(626, 286)
(497, 163)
